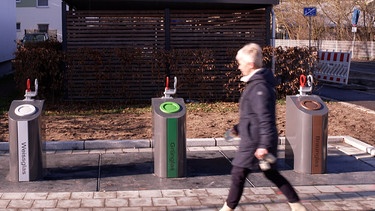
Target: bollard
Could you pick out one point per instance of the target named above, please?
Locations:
(306, 131)
(26, 151)
(169, 136)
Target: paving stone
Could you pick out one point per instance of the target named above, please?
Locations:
(327, 197)
(59, 195)
(80, 152)
(195, 149)
(113, 151)
(349, 196)
(368, 195)
(172, 193)
(228, 148)
(155, 209)
(150, 193)
(328, 189)
(350, 205)
(196, 192)
(349, 188)
(97, 151)
(263, 190)
(104, 209)
(13, 195)
(208, 200)
(277, 206)
(130, 209)
(80, 209)
(252, 207)
(104, 195)
(164, 202)
(45, 203)
(36, 196)
(277, 198)
(213, 148)
(368, 205)
(218, 191)
(369, 187)
(4, 203)
(145, 149)
(191, 200)
(205, 208)
(92, 203)
(82, 195)
(306, 189)
(69, 203)
(138, 202)
(17, 203)
(117, 202)
(307, 197)
(257, 198)
(127, 194)
(180, 208)
(310, 206)
(55, 209)
(327, 205)
(130, 150)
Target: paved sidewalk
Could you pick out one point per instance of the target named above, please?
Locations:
(329, 197)
(348, 184)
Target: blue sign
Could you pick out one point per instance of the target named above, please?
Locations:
(309, 11)
(355, 16)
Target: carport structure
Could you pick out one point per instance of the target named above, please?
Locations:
(124, 49)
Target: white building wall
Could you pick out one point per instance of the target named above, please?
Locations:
(8, 29)
(30, 17)
(8, 35)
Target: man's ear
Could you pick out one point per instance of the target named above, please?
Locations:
(251, 65)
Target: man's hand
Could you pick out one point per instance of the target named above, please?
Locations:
(260, 153)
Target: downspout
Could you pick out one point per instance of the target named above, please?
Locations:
(273, 42)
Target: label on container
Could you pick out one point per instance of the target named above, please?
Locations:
(23, 151)
(172, 147)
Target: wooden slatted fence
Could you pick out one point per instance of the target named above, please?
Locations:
(120, 55)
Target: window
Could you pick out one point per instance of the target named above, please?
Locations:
(18, 26)
(43, 28)
(42, 3)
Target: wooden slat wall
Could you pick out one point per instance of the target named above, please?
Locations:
(222, 33)
(119, 55)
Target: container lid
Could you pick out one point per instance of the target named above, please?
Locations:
(170, 107)
(25, 110)
(311, 105)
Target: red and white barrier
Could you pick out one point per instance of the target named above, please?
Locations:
(333, 67)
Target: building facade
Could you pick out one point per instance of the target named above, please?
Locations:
(8, 34)
(39, 15)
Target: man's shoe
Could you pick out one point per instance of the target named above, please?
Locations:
(226, 208)
(297, 206)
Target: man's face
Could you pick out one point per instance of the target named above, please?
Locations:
(245, 67)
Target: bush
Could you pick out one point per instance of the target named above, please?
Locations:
(42, 61)
(290, 63)
(202, 77)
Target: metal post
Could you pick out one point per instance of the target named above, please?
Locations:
(310, 33)
(167, 22)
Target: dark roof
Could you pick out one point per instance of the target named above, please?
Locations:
(172, 4)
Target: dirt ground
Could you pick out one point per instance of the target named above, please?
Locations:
(342, 120)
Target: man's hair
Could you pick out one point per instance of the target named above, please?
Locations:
(251, 52)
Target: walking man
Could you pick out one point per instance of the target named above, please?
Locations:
(257, 129)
